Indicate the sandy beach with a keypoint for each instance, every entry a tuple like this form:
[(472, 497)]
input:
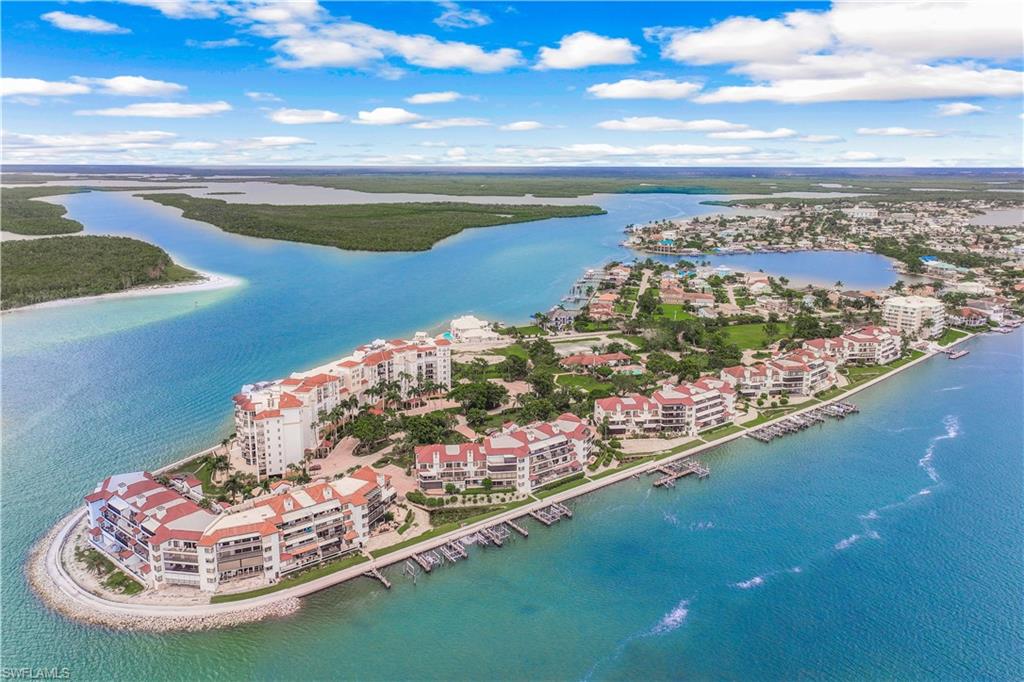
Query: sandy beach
[(210, 281)]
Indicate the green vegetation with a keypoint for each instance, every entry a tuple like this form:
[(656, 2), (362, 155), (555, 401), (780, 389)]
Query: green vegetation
[(361, 227), (115, 579), (21, 213), (622, 467), (560, 486), (674, 311), (456, 515), (525, 330), (38, 270), (583, 382), (680, 181), (753, 335), (720, 432), (448, 527), (299, 578), (951, 335)]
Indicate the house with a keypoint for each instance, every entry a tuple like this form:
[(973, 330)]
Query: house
[(469, 329)]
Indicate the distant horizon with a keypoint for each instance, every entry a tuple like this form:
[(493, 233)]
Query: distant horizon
[(466, 170)]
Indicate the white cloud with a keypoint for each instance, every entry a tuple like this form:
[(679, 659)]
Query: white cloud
[(305, 116), (183, 9), (274, 141), (39, 88), (456, 154), (351, 44), (197, 146), (583, 48), (914, 81), (597, 153), (257, 96), (827, 139), (91, 142), (659, 124), (860, 51), (434, 97), (632, 88), (866, 157), (216, 44), (519, 126), (898, 131), (83, 24), (958, 109), (386, 116), (454, 16), (161, 110), (778, 133), (439, 123), (742, 39), (132, 86)]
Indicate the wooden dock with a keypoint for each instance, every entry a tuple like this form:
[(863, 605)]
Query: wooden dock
[(517, 528), (423, 562), (676, 470), (552, 514), (377, 575)]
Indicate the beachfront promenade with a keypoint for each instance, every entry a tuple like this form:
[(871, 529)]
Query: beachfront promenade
[(77, 602)]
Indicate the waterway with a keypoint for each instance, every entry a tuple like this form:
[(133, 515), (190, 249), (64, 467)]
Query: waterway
[(641, 584)]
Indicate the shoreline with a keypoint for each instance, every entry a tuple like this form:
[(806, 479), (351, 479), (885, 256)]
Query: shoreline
[(208, 281), (55, 587)]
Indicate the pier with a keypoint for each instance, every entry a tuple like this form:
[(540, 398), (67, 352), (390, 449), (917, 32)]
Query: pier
[(377, 575), (799, 422), (552, 514), (517, 528), (676, 470)]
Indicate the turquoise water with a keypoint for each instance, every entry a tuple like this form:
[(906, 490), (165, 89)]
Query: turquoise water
[(642, 584)]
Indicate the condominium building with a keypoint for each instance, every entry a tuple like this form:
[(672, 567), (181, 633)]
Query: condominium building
[(685, 409), (163, 538), (871, 345), (522, 458), (803, 372), (915, 315), (277, 422)]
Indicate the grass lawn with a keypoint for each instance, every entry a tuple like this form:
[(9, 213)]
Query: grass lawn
[(291, 581), (201, 471), (752, 335), (622, 467), (861, 375), (674, 311), (951, 335), (525, 330), (582, 381), (596, 326), (680, 448), (638, 341), (560, 487), (720, 432), (514, 349), (584, 340), (447, 528)]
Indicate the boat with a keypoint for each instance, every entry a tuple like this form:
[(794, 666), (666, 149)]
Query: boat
[(956, 355)]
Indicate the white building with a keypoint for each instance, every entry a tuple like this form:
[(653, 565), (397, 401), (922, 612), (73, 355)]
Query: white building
[(522, 458), (162, 538), (277, 422), (861, 213), (915, 315), (469, 329), (685, 409)]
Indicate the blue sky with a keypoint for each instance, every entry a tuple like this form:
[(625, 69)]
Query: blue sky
[(497, 83)]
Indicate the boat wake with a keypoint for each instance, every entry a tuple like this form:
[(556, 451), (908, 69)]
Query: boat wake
[(951, 388), (759, 580)]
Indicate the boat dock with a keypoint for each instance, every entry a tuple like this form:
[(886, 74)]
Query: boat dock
[(799, 422), (552, 514), (377, 575), (676, 470), (517, 528), (956, 355)]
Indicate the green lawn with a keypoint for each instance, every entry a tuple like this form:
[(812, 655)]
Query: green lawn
[(674, 311), (596, 326), (622, 467), (861, 375), (297, 579), (585, 340), (582, 381), (555, 488), (720, 432), (525, 330), (447, 528), (638, 341), (514, 349), (951, 335), (752, 335)]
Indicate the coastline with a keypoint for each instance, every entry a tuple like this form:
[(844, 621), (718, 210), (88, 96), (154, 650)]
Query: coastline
[(59, 591), (209, 281)]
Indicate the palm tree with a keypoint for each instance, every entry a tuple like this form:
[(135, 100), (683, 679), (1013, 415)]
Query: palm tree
[(839, 284), (220, 464)]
